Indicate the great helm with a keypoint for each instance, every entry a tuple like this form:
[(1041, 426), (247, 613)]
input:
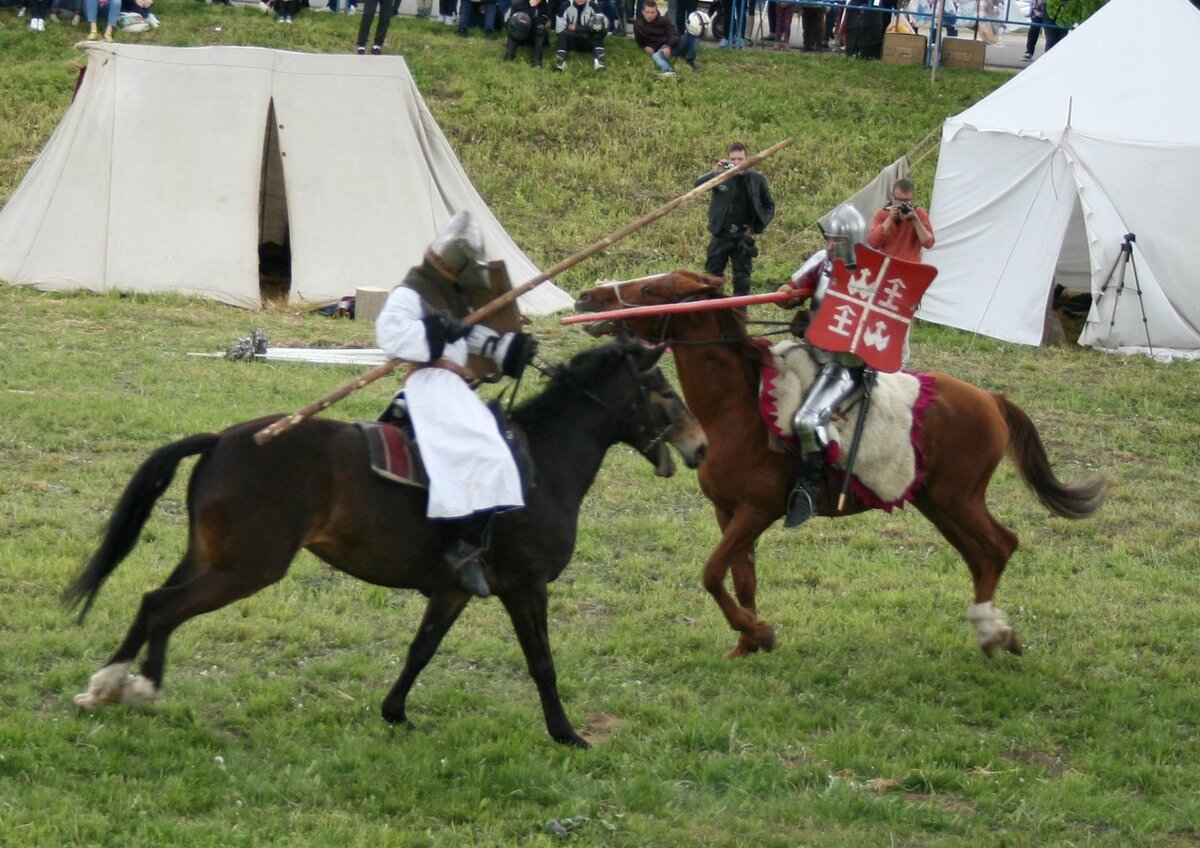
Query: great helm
[(698, 24), (457, 250), (520, 25), (845, 228)]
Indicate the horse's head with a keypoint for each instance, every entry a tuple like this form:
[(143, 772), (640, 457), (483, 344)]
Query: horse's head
[(676, 287), (625, 379)]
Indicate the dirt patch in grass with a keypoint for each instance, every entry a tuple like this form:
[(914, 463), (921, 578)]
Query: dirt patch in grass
[(1052, 763)]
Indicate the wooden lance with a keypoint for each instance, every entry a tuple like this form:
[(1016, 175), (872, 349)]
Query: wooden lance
[(283, 424)]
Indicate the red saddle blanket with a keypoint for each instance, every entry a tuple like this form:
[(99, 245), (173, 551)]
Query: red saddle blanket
[(394, 453)]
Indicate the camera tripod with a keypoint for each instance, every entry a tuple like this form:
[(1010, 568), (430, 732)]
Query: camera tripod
[(1124, 259)]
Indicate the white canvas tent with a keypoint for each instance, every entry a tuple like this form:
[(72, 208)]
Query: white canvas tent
[(173, 165), (1039, 182)]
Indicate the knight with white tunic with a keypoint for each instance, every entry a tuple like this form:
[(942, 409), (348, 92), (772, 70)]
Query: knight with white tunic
[(841, 373), (472, 472)]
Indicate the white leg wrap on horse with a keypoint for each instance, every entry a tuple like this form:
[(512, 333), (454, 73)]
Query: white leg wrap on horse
[(113, 684), (989, 622)]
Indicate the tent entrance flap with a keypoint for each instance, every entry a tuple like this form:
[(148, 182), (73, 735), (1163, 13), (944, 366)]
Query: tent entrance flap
[(274, 235)]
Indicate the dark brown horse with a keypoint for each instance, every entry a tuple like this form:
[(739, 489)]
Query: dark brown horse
[(251, 508), (965, 433)]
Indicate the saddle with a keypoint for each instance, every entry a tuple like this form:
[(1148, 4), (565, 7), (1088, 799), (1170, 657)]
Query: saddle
[(396, 456), (889, 467)]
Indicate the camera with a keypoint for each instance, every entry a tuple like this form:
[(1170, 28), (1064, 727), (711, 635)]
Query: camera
[(904, 208), (726, 165)]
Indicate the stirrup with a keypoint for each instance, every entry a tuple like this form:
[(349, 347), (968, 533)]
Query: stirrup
[(801, 506), (466, 561)]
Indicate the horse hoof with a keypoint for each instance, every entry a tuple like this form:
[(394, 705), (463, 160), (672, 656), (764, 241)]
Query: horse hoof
[(743, 648), (767, 640), (88, 701), (573, 740), (1006, 639)]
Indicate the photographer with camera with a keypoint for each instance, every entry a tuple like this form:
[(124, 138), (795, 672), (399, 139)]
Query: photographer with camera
[(739, 210), (901, 229)]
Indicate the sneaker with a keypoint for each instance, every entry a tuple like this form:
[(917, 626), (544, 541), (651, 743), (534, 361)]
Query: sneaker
[(75, 20), (1028, 57), (108, 37), (360, 50), (376, 50), (33, 24), (664, 73), (560, 65), (21, 12), (598, 64), (92, 36)]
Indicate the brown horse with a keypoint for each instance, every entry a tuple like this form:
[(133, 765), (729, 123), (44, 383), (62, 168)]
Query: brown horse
[(965, 433), (251, 508)]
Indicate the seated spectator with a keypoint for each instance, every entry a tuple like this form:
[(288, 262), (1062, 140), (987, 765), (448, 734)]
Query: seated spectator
[(528, 23), (480, 13), (91, 8), (141, 8), (581, 28), (655, 35)]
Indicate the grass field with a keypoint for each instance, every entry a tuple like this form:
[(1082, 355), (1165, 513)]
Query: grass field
[(875, 722)]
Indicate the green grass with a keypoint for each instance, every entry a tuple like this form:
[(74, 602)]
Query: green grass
[(876, 722)]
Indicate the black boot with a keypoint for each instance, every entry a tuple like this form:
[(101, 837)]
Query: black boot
[(510, 52), (805, 496), (465, 556)]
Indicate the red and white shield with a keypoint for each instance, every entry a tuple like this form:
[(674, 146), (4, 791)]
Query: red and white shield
[(868, 311)]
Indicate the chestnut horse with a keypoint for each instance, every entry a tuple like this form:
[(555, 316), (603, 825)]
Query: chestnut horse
[(251, 508), (965, 433)]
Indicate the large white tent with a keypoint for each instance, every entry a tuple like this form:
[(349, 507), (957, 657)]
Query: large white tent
[(1039, 182), (173, 165)]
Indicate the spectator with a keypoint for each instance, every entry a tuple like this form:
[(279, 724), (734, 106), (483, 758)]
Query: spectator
[(286, 10), (446, 12), (812, 20), (91, 8), (1039, 19), (364, 26), (141, 8), (528, 23), (37, 14), (785, 12), (901, 229), (657, 37), (740, 209), (581, 28), (472, 473), (480, 13)]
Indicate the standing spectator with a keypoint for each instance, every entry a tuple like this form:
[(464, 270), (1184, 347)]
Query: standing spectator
[(480, 13), (901, 229), (580, 29), (739, 210), (1039, 19), (785, 11), (364, 26), (91, 8), (446, 12), (812, 20), (532, 29), (657, 37)]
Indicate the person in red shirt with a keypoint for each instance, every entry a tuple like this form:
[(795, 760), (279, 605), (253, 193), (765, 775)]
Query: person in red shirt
[(901, 229)]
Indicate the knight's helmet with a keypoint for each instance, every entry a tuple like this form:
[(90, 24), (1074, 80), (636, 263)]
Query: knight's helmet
[(457, 251), (520, 24), (846, 227)]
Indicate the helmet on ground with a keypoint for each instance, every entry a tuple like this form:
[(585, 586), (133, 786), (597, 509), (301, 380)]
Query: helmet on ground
[(597, 24), (698, 24), (520, 25), (845, 228), (132, 22), (457, 250)]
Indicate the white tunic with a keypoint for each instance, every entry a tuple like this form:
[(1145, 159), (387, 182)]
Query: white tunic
[(470, 466)]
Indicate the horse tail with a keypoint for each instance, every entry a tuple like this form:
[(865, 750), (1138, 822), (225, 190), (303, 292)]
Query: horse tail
[(1077, 500), (130, 515)]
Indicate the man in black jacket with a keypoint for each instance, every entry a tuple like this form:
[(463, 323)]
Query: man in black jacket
[(657, 37), (740, 209)]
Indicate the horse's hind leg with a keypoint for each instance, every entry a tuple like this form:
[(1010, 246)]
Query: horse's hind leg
[(441, 611), (162, 610), (527, 610), (986, 545)]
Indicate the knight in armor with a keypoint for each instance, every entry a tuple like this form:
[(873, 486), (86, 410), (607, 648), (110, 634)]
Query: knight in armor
[(472, 473), (582, 28), (529, 23), (840, 374)]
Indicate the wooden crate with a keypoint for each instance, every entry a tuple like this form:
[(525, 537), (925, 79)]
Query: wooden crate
[(903, 49), (963, 53)]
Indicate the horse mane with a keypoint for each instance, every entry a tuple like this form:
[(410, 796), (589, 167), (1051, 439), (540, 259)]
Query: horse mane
[(584, 369)]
